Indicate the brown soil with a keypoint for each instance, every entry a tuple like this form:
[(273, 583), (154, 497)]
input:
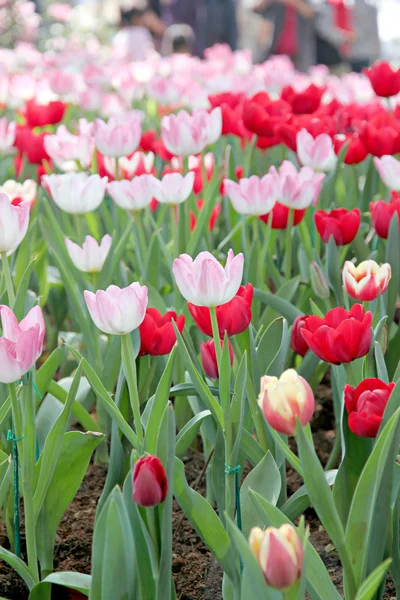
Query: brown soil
[(196, 573)]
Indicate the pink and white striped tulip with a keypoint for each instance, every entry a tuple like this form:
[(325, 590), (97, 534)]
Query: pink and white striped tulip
[(138, 164), (119, 137), (92, 256), (388, 168), (285, 399), (7, 136), (118, 311), (279, 553), (173, 188), (184, 134), (20, 192), (255, 195), (132, 195), (298, 189), (204, 282), (318, 153), (76, 193), (21, 343), (14, 221), (367, 281), (65, 149)]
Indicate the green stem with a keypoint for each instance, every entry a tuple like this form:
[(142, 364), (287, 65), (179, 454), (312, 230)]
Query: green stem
[(129, 367), (9, 281), (117, 168), (78, 219), (288, 245), (265, 248), (28, 477), (16, 414), (255, 229), (138, 220), (149, 377), (216, 338), (17, 435)]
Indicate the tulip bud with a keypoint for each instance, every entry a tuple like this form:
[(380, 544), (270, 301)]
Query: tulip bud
[(285, 399), (149, 481), (366, 281), (298, 343), (209, 358), (319, 282), (279, 553)]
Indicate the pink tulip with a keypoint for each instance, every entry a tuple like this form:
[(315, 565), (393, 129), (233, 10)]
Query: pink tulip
[(253, 196), (317, 153), (174, 188), (119, 137), (184, 134), (204, 282), (298, 189), (209, 358), (285, 399), (76, 193), (65, 149), (366, 281), (14, 221), (20, 192), (21, 343), (117, 311), (279, 553), (149, 481), (138, 164), (7, 136), (92, 256), (388, 168), (132, 195)]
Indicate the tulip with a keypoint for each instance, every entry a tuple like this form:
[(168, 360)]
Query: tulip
[(253, 196), (119, 137), (381, 135), (185, 134), (367, 281), (132, 195), (341, 336), (298, 343), (355, 152), (216, 211), (384, 79), (20, 192), (173, 188), (286, 399), (31, 145), (319, 282), (317, 153), (261, 116), (21, 343), (341, 224), (204, 282), (65, 149), (14, 221), (366, 404), (7, 135), (117, 311), (382, 214), (279, 553), (92, 256), (298, 189), (389, 170), (209, 358), (138, 164), (76, 193), (233, 317), (149, 481), (40, 115), (280, 216), (157, 334), (304, 102)]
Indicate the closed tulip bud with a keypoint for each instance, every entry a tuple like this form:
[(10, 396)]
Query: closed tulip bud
[(298, 343), (366, 404), (184, 134), (366, 281), (319, 282), (286, 399), (255, 195), (92, 256), (76, 193), (119, 137), (132, 195), (279, 553), (174, 188), (157, 333), (149, 481), (318, 152), (209, 358), (14, 221)]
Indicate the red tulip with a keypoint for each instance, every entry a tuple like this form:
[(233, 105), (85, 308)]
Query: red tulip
[(341, 336), (232, 317), (209, 358), (230, 99), (40, 115), (356, 152), (381, 135), (149, 481), (304, 102), (366, 404), (157, 334), (261, 114), (382, 213), (31, 145), (280, 216), (298, 343), (148, 140), (385, 81), (340, 223)]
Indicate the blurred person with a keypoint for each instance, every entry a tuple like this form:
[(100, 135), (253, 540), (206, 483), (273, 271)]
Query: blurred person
[(138, 24), (178, 39), (221, 23)]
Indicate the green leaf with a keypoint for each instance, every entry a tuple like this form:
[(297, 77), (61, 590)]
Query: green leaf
[(18, 565), (68, 579), (392, 257), (159, 406), (114, 256), (269, 348), (334, 269), (370, 586), (281, 306), (265, 479), (18, 307), (300, 501), (391, 407), (251, 448), (205, 521), (380, 363), (189, 432)]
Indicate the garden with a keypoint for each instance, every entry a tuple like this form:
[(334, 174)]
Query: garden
[(200, 350)]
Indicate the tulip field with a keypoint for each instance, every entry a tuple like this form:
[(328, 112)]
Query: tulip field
[(200, 265)]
